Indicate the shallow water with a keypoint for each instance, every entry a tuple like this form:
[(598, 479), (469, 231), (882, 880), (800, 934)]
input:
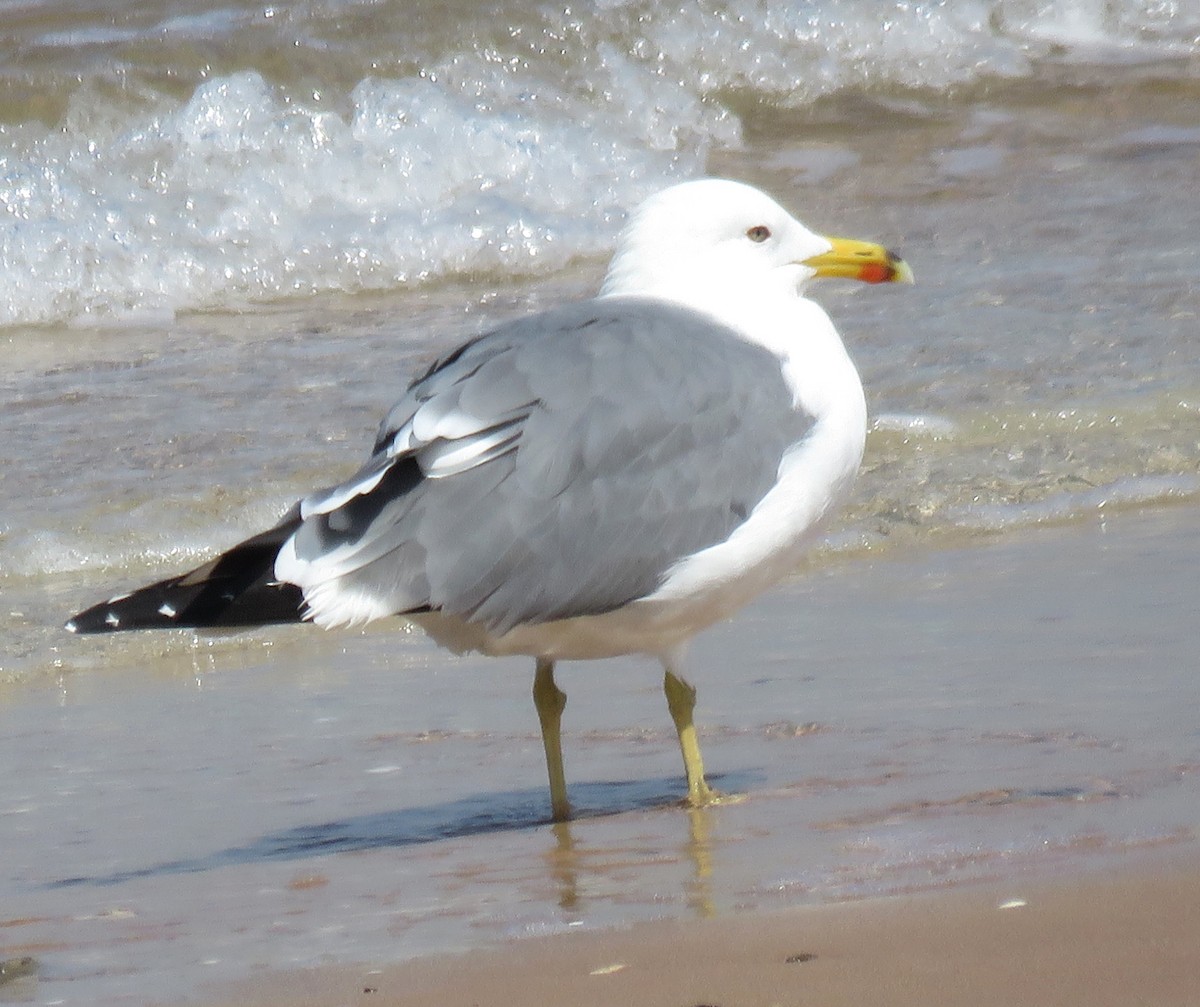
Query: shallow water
[(1046, 364), (229, 235), (198, 810)]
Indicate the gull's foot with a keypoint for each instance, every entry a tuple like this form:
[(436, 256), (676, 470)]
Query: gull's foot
[(706, 797)]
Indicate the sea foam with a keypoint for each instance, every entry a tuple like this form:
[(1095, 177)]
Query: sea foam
[(346, 146)]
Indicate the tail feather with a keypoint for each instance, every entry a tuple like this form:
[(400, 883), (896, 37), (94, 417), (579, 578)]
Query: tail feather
[(237, 588)]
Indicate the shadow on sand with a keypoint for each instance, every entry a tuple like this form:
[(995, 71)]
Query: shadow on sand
[(469, 816)]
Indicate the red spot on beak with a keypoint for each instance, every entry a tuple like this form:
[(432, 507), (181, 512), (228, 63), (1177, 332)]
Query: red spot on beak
[(876, 272)]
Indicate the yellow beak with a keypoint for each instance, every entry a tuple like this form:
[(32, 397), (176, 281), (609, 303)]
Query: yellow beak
[(861, 260)]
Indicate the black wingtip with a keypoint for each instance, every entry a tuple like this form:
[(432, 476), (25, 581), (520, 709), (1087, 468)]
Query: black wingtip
[(236, 589), (169, 605), (101, 618)]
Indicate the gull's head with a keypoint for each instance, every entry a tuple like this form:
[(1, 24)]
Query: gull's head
[(694, 240)]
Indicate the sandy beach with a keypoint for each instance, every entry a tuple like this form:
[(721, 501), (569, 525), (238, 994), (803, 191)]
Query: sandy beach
[(1111, 918), (918, 737), (1120, 939)]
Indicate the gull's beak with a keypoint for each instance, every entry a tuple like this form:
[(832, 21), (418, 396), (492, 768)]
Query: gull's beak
[(860, 260)]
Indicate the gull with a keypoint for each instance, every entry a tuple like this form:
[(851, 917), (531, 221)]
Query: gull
[(607, 477)]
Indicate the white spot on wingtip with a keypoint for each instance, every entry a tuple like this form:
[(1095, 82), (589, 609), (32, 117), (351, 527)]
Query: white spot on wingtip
[(167, 609), (70, 627), (112, 620)]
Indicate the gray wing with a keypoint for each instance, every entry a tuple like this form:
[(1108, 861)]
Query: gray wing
[(557, 466)]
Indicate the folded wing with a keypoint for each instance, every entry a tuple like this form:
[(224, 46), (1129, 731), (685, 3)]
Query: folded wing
[(555, 467)]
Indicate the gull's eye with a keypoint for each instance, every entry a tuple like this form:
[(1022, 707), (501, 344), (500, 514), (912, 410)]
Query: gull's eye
[(759, 233)]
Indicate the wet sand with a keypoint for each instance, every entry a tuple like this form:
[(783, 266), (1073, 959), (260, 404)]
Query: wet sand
[(1092, 940), (1054, 928), (989, 712)]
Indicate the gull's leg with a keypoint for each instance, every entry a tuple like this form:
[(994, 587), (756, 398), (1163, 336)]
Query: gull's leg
[(681, 701), (550, 701)]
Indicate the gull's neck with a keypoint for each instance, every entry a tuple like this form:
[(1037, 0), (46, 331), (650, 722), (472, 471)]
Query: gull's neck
[(759, 307), (765, 307)]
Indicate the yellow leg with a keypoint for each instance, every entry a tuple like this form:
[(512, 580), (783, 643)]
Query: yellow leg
[(681, 701), (550, 701)]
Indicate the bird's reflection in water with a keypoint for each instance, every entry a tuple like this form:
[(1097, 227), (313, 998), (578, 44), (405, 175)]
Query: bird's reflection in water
[(699, 849), (564, 867), (570, 861)]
